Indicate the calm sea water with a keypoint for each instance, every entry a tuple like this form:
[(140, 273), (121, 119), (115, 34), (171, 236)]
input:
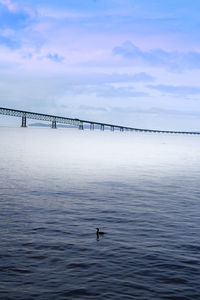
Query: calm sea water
[(57, 186)]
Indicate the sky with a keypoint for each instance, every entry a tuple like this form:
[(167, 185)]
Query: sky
[(128, 62)]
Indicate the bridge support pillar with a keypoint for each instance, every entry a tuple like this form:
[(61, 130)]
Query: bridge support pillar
[(81, 126), (112, 128), (91, 126), (121, 129), (53, 124), (23, 121), (102, 127)]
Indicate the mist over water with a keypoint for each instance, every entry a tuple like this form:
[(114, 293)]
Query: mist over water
[(57, 186)]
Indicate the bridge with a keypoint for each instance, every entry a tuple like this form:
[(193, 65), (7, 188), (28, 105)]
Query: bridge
[(24, 115)]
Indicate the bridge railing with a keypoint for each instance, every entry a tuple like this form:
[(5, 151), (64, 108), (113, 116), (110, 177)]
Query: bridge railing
[(39, 116)]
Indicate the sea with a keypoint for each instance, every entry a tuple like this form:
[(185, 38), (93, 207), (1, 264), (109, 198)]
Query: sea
[(58, 185)]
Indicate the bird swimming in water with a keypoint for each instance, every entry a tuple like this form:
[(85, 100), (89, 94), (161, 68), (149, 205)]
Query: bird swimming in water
[(99, 232)]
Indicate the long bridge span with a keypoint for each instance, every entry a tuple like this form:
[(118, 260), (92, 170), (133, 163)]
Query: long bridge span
[(24, 115)]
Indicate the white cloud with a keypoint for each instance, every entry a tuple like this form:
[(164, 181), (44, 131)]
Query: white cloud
[(55, 57), (11, 6), (180, 90), (174, 60)]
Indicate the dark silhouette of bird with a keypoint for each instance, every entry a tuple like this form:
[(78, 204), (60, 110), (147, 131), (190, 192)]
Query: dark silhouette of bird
[(99, 232)]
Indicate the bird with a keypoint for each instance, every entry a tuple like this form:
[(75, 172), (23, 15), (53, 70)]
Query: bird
[(99, 232)]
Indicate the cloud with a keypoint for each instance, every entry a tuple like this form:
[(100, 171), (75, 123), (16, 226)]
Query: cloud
[(116, 77), (176, 90), (105, 78), (92, 108), (158, 57), (106, 91), (11, 43), (118, 92), (11, 6), (55, 57), (154, 111), (61, 14), (13, 16)]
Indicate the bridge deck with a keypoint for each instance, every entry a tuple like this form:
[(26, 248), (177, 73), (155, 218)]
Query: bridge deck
[(78, 122)]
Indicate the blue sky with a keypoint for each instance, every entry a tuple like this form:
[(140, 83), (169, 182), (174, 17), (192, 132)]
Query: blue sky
[(131, 62)]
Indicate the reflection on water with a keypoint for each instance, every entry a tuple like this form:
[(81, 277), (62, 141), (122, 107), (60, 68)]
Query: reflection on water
[(57, 186)]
